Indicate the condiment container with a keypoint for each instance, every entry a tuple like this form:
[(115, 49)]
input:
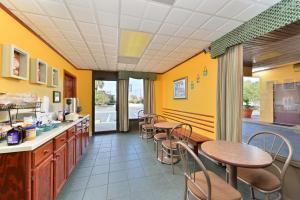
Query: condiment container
[(15, 136), (30, 132)]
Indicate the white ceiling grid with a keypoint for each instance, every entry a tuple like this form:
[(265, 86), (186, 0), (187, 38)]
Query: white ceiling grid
[(87, 31)]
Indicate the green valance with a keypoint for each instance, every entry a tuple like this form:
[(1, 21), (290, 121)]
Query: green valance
[(138, 75), (277, 16)]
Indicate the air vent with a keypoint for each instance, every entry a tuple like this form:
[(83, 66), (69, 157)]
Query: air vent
[(168, 2), (128, 60)]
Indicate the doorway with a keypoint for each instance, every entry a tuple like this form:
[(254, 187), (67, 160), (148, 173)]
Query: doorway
[(69, 85), (105, 106)]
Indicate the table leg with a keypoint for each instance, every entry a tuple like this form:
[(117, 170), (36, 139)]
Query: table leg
[(232, 175)]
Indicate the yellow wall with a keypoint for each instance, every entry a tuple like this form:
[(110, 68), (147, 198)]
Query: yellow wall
[(12, 32), (201, 99), (284, 74)]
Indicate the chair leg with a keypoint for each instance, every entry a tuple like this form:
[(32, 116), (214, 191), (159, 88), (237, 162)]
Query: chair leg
[(252, 195), (162, 154), (172, 161), (156, 149), (185, 188)]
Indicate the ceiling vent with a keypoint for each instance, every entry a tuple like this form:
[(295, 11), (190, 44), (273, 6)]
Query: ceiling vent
[(168, 2)]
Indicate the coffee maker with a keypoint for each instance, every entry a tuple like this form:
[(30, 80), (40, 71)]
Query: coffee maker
[(71, 109)]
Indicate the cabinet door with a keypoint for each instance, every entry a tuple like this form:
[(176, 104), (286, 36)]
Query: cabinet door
[(78, 147), (60, 169), (71, 155), (42, 187)]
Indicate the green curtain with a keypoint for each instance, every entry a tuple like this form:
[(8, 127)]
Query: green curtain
[(123, 75)]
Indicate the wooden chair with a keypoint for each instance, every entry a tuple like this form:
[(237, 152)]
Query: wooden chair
[(201, 183), (261, 179), (168, 146)]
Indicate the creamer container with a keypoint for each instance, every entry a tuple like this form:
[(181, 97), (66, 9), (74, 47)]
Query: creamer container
[(30, 132)]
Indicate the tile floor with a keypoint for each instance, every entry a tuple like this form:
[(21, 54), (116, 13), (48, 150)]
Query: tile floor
[(123, 167)]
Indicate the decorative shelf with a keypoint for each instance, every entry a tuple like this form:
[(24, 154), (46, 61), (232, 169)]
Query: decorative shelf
[(15, 62), (38, 71), (53, 77)]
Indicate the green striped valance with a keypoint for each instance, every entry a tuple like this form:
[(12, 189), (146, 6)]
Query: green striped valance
[(138, 75), (279, 15)]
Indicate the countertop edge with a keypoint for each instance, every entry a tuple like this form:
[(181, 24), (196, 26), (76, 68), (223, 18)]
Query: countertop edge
[(39, 141)]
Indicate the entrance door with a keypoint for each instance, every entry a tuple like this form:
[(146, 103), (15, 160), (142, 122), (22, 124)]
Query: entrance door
[(105, 106)]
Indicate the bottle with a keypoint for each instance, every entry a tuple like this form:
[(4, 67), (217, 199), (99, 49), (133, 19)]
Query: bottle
[(14, 136)]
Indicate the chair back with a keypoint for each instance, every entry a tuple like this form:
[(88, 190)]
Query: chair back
[(192, 164), (182, 132), (277, 146), (141, 115), (158, 118)]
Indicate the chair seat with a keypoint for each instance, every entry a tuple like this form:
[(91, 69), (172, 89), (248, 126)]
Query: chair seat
[(219, 188), (160, 136), (259, 178), (147, 126), (169, 144)]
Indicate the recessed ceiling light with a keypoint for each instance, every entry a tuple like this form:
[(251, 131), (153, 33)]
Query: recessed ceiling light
[(168, 2), (133, 43)]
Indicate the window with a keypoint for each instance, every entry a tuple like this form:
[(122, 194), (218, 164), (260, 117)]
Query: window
[(135, 97)]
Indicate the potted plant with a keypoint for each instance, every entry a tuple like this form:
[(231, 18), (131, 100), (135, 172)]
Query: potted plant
[(248, 109)]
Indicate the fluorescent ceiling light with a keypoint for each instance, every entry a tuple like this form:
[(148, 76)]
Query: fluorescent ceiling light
[(133, 43)]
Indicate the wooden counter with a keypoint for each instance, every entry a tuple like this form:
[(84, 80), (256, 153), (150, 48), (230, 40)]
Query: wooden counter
[(38, 169)]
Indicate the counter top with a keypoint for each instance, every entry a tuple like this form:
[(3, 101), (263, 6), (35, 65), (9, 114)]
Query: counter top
[(39, 140)]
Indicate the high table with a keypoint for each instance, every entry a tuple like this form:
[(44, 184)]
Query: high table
[(167, 126), (236, 155)]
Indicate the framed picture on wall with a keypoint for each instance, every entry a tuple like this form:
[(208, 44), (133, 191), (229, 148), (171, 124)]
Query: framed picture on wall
[(180, 88), (56, 96)]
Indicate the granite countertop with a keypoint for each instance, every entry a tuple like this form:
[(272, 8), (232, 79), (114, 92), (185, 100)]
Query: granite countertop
[(39, 140)]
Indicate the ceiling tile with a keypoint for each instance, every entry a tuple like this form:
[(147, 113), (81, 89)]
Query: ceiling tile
[(108, 19), (88, 28), (200, 34), (109, 31), (64, 24), (107, 5), (128, 22), (185, 31), (233, 8), (72, 35), (160, 38), (229, 26), (197, 19), (156, 11), (55, 8), (178, 16), (83, 14), (7, 4), (214, 23), (214, 36), (149, 26), (168, 29), (188, 4), (134, 8), (250, 12), (27, 6), (40, 21), (211, 6), (80, 3)]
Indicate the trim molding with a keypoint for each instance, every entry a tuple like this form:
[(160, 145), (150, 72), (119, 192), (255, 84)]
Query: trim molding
[(37, 35), (203, 115)]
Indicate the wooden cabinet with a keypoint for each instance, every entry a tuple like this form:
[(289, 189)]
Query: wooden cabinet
[(77, 146), (60, 169), (42, 186), (71, 155)]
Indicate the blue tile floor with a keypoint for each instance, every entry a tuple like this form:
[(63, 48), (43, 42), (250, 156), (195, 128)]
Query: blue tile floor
[(123, 167)]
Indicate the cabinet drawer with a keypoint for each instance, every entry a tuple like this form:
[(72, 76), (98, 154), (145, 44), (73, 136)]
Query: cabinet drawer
[(42, 153), (71, 132), (60, 140)]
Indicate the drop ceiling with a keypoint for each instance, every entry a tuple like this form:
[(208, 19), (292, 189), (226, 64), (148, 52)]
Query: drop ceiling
[(87, 32)]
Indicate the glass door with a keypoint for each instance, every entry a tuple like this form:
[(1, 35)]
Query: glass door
[(105, 115)]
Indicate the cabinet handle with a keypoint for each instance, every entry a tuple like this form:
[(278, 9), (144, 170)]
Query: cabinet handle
[(62, 139), (57, 156), (45, 152)]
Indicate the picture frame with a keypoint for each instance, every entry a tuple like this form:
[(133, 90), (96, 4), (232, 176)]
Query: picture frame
[(56, 96), (180, 88)]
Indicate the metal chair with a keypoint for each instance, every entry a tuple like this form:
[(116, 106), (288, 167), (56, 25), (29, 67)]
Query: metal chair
[(141, 120), (261, 179), (148, 128), (181, 132), (159, 134), (201, 183)]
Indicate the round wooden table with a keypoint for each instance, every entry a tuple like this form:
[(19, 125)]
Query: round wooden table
[(168, 126), (236, 155)]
